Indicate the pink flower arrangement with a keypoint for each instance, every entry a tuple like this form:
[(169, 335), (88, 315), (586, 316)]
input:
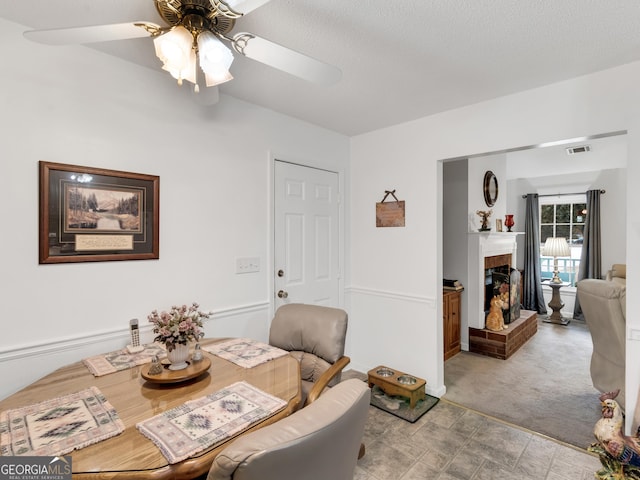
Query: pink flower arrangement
[(178, 326)]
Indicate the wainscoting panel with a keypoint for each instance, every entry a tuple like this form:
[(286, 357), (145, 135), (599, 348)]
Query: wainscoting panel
[(396, 330)]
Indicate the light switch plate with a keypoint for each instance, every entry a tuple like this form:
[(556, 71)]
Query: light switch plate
[(247, 264)]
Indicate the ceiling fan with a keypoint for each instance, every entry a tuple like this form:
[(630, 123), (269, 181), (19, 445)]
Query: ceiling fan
[(191, 46)]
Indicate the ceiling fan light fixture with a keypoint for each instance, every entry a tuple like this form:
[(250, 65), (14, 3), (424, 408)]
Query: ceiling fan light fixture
[(186, 72), (189, 46), (175, 50), (185, 69), (215, 58)]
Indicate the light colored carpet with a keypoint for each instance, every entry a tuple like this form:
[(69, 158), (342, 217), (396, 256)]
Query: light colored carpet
[(545, 386)]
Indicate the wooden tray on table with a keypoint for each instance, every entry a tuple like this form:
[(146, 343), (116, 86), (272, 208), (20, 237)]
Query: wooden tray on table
[(195, 369)]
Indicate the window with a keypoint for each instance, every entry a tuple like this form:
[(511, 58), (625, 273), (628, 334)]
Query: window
[(563, 220)]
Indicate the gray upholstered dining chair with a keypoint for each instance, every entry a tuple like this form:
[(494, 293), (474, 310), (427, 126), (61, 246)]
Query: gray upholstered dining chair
[(319, 442), (315, 335)]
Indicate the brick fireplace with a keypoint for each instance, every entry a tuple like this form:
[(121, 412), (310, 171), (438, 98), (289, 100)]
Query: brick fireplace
[(490, 253), (495, 247)]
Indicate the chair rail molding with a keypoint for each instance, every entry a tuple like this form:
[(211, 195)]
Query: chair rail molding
[(431, 301), (22, 364), (61, 345)]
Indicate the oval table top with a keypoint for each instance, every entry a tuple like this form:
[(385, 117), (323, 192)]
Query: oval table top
[(132, 456)]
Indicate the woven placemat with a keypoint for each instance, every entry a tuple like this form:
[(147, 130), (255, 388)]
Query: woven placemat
[(245, 352), (58, 426), (202, 423), (112, 362)]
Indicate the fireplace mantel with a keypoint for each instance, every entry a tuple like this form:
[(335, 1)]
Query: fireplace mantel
[(481, 245), (496, 234)]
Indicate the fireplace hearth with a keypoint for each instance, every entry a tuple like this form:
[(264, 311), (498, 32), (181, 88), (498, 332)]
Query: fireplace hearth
[(505, 343)]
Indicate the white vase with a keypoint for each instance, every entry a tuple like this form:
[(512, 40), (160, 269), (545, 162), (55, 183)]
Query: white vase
[(178, 357)]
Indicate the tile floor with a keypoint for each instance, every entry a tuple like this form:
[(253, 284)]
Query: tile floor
[(453, 443)]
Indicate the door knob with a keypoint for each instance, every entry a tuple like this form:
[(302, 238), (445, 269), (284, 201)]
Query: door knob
[(282, 294)]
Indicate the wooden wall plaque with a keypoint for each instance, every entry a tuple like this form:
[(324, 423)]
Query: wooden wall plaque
[(390, 214)]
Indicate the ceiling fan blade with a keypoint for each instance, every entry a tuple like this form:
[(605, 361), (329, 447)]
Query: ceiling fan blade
[(285, 59), (237, 7), (91, 34)]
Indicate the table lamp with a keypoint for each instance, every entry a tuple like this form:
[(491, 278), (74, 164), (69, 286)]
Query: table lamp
[(556, 247)]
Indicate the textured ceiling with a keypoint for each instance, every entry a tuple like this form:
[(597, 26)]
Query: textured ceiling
[(400, 60)]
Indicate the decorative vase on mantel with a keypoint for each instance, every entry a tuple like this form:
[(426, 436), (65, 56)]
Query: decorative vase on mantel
[(508, 222), (178, 356)]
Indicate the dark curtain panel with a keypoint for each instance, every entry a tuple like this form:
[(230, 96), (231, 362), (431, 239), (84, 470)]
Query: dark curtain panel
[(533, 297), (590, 260)]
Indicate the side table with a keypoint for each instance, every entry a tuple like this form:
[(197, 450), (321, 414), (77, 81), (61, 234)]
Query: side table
[(556, 304)]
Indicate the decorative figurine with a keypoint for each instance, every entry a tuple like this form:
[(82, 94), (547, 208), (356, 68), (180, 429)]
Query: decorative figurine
[(484, 214), (495, 319), (156, 366), (619, 453)]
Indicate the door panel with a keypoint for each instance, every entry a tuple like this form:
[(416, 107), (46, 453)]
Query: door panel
[(306, 235)]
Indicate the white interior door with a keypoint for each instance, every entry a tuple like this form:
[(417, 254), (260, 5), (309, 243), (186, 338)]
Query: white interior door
[(306, 257)]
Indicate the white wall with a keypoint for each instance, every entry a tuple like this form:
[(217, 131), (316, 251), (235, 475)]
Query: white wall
[(389, 265), (77, 106), (477, 168)]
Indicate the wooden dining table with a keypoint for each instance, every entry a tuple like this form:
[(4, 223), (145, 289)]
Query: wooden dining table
[(132, 456)]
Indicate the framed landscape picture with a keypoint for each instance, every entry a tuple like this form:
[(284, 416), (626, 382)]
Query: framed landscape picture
[(92, 214)]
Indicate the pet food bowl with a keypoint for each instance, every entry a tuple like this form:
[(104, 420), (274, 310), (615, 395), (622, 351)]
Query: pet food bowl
[(407, 379), (385, 372)]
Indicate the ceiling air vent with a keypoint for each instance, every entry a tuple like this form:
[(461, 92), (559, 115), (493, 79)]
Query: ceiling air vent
[(578, 149)]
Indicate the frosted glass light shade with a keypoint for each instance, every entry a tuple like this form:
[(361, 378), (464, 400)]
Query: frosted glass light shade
[(187, 73), (556, 247), (215, 59), (175, 50)]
